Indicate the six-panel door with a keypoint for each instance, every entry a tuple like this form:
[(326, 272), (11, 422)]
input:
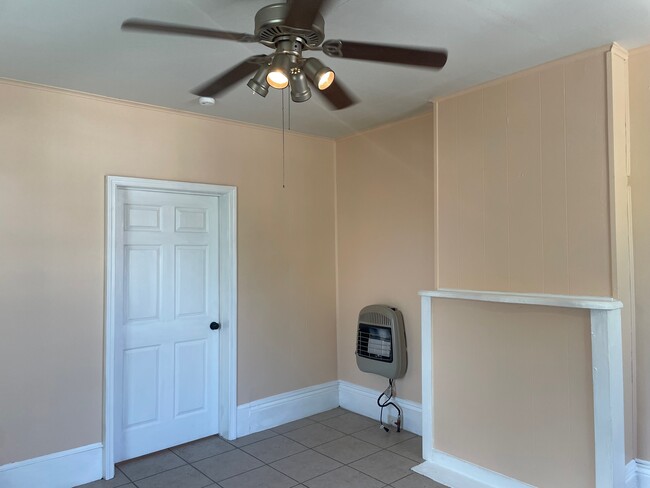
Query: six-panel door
[(167, 295)]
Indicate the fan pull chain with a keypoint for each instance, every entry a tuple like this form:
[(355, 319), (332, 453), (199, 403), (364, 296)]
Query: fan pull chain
[(283, 152)]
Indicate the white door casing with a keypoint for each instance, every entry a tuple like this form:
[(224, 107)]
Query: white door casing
[(169, 378)]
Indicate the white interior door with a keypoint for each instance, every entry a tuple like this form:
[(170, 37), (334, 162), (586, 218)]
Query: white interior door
[(166, 354)]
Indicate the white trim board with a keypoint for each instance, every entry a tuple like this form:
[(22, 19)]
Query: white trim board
[(637, 474), (543, 299), (457, 473), (362, 400), (227, 301), (272, 411), (58, 470), (286, 407)]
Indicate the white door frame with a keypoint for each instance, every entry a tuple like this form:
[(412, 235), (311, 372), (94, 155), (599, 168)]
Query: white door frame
[(227, 301)]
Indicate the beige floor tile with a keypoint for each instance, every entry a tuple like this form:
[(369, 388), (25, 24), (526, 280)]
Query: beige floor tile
[(273, 449), (411, 449), (416, 481), (385, 466), (203, 448), (264, 477), (183, 476), (149, 465), (379, 437), (328, 414), (350, 423), (231, 463), (344, 477), (314, 435), (347, 449), (252, 438), (305, 465)]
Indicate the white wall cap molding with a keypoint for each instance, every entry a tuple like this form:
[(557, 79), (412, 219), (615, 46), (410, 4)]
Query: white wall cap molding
[(543, 299)]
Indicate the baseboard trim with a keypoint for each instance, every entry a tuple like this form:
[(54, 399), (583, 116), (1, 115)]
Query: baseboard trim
[(642, 473), (58, 470), (279, 409), (363, 401), (455, 472)]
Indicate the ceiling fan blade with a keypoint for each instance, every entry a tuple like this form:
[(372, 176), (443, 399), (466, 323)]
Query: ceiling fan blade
[(384, 53), (142, 25), (302, 13), (338, 96), (225, 80)]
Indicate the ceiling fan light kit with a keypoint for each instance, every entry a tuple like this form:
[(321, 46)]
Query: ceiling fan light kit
[(258, 82), (290, 28), (278, 76), (319, 74)]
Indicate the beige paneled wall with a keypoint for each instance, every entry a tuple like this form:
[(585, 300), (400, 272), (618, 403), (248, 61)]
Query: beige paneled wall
[(513, 390), (640, 180), (55, 150), (523, 205), (385, 236), (523, 183)]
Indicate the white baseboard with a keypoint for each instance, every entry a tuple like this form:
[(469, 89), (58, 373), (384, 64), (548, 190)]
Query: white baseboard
[(630, 475), (58, 470), (456, 473), (279, 409), (637, 474), (642, 474), (363, 401)]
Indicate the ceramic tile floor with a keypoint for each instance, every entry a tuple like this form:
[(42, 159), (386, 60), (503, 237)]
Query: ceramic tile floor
[(334, 449)]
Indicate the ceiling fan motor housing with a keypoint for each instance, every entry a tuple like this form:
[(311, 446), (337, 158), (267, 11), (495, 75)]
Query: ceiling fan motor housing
[(269, 26)]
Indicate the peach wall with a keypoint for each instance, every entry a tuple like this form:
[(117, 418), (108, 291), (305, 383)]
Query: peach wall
[(523, 184), (524, 205), (513, 390), (384, 188), (639, 62), (55, 149)]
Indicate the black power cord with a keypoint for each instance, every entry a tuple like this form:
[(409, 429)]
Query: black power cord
[(389, 393)]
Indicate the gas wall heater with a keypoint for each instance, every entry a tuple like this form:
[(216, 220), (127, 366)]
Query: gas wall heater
[(381, 341)]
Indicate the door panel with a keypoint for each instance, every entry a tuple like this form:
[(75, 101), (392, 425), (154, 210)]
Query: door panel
[(190, 364), (142, 283), (141, 378), (166, 369), (191, 280)]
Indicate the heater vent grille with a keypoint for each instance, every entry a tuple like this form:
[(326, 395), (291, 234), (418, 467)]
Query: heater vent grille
[(375, 318), (375, 343)]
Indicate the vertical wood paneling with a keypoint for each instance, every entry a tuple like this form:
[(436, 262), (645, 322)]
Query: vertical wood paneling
[(448, 221), (524, 182), (495, 133), (587, 177), (554, 198), (470, 192), (539, 163)]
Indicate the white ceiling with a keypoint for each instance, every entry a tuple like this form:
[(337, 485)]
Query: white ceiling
[(77, 44)]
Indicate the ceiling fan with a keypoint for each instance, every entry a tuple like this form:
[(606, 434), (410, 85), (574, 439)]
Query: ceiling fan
[(290, 29)]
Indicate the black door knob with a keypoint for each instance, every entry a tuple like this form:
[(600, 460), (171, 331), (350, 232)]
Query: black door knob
[(215, 326)]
